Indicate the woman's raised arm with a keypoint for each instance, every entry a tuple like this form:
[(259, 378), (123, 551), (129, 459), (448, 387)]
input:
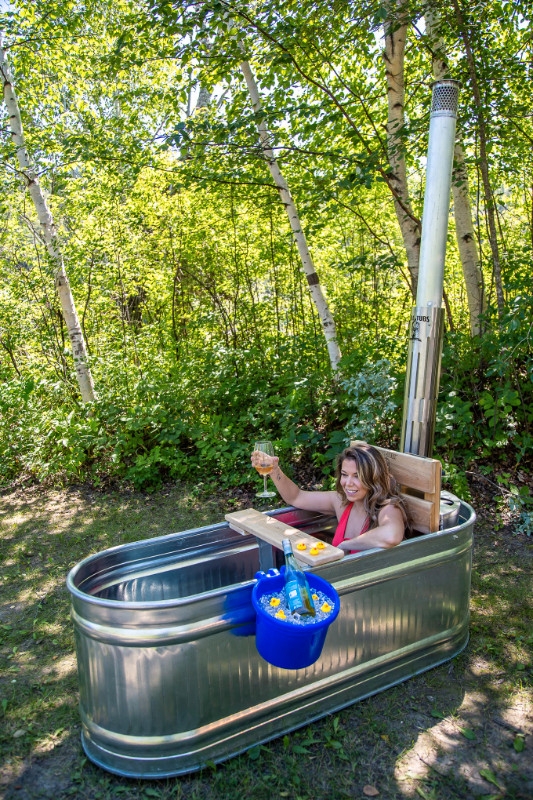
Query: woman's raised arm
[(323, 502)]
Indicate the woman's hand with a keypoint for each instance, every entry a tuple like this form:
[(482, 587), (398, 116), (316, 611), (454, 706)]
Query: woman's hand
[(348, 545), (260, 459)]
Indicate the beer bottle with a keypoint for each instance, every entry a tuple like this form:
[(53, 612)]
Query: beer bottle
[(296, 586)]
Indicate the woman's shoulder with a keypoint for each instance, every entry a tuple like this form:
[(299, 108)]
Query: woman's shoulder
[(390, 510), (339, 503)]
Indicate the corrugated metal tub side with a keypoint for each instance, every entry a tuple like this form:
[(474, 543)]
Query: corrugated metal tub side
[(169, 675)]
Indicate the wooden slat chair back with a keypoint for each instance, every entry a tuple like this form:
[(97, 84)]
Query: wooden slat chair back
[(420, 481)]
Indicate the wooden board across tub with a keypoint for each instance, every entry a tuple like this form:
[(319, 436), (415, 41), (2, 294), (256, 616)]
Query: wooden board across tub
[(273, 531)]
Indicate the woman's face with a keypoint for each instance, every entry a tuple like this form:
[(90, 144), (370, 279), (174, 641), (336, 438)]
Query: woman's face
[(352, 486)]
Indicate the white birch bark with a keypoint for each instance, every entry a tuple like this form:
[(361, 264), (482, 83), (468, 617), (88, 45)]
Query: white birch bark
[(79, 353), (395, 31), (466, 241), (483, 131), (464, 226), (204, 98), (326, 317)]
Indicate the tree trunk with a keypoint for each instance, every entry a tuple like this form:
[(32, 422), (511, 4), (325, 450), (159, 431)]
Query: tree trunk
[(483, 162), (464, 226), (83, 374), (395, 30), (466, 241), (315, 289)]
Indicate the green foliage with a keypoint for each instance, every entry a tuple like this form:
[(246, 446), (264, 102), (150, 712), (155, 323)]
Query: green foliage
[(200, 330), (485, 408), (372, 394), (197, 420)]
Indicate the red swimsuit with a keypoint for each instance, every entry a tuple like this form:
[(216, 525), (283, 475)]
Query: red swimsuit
[(341, 528)]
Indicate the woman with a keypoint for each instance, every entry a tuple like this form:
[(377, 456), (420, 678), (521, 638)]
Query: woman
[(366, 501)]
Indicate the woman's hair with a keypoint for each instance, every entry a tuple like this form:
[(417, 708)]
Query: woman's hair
[(373, 472)]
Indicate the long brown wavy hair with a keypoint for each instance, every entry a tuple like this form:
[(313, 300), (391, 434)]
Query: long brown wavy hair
[(373, 472)]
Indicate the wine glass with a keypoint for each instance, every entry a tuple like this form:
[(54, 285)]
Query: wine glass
[(264, 466)]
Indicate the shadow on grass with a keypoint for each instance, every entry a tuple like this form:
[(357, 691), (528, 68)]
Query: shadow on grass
[(455, 731)]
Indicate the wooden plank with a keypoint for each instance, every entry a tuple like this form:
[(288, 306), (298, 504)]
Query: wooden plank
[(421, 512), (273, 531)]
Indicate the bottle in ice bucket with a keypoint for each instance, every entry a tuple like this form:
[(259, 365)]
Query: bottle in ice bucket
[(296, 586)]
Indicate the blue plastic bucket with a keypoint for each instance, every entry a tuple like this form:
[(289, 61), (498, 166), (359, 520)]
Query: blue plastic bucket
[(284, 644)]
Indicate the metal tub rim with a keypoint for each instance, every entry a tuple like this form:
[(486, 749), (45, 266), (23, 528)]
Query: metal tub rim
[(86, 597)]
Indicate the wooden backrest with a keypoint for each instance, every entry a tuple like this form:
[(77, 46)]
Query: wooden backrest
[(419, 479)]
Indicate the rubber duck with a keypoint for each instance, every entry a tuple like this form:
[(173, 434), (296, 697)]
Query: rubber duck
[(275, 601), (325, 608), (314, 551), (301, 546)]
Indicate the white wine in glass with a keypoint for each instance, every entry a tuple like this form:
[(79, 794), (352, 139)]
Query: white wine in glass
[(264, 467)]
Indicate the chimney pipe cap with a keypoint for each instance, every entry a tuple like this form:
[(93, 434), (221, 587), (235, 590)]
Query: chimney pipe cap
[(445, 99)]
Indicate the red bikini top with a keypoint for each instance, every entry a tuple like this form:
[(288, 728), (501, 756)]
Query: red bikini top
[(341, 528)]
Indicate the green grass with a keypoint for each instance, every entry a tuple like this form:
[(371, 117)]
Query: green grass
[(455, 729)]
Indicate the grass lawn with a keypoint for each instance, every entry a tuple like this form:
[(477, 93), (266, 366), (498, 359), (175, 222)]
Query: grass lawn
[(458, 731)]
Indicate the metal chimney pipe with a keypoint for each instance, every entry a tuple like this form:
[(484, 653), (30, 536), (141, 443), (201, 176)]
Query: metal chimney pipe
[(427, 317)]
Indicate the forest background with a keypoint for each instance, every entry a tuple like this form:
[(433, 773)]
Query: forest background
[(159, 313)]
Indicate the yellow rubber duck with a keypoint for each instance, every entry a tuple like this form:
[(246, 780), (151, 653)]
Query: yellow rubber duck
[(320, 545), (314, 596), (301, 546), (275, 601), (325, 608), (280, 614), (314, 551)]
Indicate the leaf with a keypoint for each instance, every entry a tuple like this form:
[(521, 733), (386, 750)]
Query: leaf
[(370, 791), (437, 714), (254, 753), (467, 733), (489, 776), (519, 742)]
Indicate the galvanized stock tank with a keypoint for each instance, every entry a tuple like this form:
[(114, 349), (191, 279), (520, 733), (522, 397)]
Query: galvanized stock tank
[(170, 678)]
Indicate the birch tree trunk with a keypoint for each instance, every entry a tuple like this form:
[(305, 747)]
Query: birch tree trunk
[(395, 31), (324, 313), (483, 162), (79, 353), (464, 226)]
